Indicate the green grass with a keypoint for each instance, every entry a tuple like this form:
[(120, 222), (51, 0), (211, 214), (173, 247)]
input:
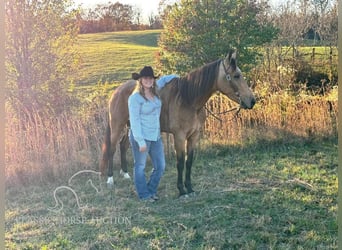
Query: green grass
[(113, 56), (262, 193), (269, 196)]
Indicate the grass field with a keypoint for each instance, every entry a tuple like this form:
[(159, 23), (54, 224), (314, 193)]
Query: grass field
[(260, 191), (114, 56), (276, 196)]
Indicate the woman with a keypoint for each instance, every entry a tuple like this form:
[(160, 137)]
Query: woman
[(144, 106)]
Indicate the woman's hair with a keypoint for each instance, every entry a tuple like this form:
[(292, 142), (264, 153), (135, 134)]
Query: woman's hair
[(139, 87)]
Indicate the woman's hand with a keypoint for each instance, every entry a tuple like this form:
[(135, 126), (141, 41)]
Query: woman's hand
[(142, 148)]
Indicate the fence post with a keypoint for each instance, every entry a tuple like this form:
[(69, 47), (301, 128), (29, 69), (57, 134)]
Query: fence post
[(293, 57), (268, 59), (330, 64), (293, 51), (313, 55)]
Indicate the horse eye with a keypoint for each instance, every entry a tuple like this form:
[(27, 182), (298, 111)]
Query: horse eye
[(236, 76)]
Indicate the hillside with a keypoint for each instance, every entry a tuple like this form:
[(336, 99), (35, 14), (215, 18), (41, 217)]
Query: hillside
[(113, 56), (264, 179)]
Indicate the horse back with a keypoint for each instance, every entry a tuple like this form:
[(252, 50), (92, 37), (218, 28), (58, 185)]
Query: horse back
[(118, 104)]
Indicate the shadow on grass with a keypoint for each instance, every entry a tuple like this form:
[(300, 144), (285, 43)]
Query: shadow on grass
[(149, 39), (264, 194)]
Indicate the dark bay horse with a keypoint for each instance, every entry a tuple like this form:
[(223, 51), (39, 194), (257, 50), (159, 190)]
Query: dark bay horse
[(182, 114)]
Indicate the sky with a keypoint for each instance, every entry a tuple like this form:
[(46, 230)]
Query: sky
[(147, 7)]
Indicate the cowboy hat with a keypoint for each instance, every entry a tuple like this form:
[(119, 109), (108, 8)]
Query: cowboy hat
[(146, 71)]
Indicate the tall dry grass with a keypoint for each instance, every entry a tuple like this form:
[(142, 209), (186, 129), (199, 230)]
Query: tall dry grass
[(278, 115), (44, 147)]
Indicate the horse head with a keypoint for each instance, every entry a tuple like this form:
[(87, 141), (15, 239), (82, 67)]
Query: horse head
[(232, 83)]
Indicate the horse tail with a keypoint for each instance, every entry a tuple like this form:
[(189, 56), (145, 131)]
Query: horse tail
[(105, 151)]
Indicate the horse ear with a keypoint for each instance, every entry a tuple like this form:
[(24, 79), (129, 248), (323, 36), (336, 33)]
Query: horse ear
[(231, 59), (135, 76)]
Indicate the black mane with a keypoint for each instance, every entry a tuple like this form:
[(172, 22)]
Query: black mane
[(197, 85)]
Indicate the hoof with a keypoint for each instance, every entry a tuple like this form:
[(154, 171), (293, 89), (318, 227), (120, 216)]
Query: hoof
[(192, 194), (110, 185), (125, 175), (110, 182), (183, 196)]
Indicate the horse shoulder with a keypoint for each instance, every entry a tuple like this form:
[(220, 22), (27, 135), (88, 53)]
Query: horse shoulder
[(118, 104)]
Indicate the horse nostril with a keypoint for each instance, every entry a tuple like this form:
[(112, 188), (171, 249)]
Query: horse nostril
[(253, 102), (250, 106)]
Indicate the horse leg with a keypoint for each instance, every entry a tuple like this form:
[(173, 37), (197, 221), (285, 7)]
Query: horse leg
[(124, 144), (110, 179), (191, 143), (106, 163), (180, 167), (180, 154), (114, 137), (188, 163)]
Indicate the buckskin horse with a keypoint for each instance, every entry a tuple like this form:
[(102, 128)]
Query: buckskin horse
[(183, 101)]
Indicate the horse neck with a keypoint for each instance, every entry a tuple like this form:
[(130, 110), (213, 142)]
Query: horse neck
[(202, 100), (196, 88)]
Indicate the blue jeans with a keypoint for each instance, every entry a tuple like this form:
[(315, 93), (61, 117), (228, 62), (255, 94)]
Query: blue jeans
[(155, 150)]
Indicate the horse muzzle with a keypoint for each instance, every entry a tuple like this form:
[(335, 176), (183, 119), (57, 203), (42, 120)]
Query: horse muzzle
[(248, 103)]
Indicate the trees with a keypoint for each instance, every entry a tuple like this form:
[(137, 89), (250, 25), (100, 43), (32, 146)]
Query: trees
[(39, 56), (294, 21), (114, 17), (196, 32), (110, 17), (299, 20), (326, 20)]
